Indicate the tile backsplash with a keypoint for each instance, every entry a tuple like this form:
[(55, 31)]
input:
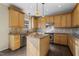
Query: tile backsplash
[(75, 30), (63, 30), (57, 30)]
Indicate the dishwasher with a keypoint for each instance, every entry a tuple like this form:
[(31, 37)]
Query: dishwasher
[(22, 40)]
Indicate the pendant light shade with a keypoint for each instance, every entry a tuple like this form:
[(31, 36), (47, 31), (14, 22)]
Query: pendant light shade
[(43, 9), (37, 11)]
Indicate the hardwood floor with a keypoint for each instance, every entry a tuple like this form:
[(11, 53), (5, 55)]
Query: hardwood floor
[(59, 50), (55, 50), (19, 52)]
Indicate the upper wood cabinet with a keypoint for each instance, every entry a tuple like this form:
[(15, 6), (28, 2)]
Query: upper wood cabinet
[(51, 19), (57, 21), (13, 21), (68, 20), (16, 18), (75, 17), (21, 20), (63, 20)]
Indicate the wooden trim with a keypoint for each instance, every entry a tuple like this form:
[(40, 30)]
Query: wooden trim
[(75, 7), (60, 14), (15, 8)]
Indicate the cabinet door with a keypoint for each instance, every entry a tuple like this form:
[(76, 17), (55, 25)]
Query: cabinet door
[(68, 20), (63, 20), (57, 21), (56, 39), (13, 22), (77, 16), (16, 41), (60, 39), (63, 39), (21, 20), (47, 19), (51, 19), (74, 18)]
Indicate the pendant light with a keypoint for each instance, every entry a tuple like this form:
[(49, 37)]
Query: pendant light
[(43, 9), (29, 15), (37, 11)]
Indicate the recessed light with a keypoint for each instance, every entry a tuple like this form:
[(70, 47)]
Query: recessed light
[(59, 6), (47, 10)]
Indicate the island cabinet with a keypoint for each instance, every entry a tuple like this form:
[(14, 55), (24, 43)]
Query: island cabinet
[(73, 44), (37, 45), (16, 18), (14, 41), (60, 38)]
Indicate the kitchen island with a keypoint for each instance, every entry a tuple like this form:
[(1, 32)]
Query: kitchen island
[(37, 44)]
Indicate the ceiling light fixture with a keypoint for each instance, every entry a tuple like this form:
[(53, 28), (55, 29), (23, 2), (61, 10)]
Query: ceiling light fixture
[(43, 9), (59, 6), (37, 11)]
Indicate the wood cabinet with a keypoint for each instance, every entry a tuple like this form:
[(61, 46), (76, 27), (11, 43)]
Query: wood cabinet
[(51, 19), (21, 20), (60, 39), (14, 41), (47, 19), (13, 21), (16, 18), (75, 17), (68, 20), (57, 21), (37, 45), (63, 21), (73, 44)]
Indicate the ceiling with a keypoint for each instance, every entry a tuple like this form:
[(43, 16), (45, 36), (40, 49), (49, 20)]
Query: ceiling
[(49, 8)]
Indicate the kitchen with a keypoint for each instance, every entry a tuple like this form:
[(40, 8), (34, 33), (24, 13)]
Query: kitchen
[(41, 29)]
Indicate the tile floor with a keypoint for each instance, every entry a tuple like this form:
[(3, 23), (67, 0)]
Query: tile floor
[(55, 50)]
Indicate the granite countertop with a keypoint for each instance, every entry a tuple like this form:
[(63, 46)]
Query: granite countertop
[(75, 35), (36, 35)]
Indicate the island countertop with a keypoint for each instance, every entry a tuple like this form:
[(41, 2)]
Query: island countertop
[(36, 35)]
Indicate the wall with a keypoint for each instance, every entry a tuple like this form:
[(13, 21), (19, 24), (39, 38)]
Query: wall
[(4, 27)]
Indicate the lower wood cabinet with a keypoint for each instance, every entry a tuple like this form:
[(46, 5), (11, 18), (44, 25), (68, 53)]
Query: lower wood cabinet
[(60, 39), (73, 44), (14, 41)]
